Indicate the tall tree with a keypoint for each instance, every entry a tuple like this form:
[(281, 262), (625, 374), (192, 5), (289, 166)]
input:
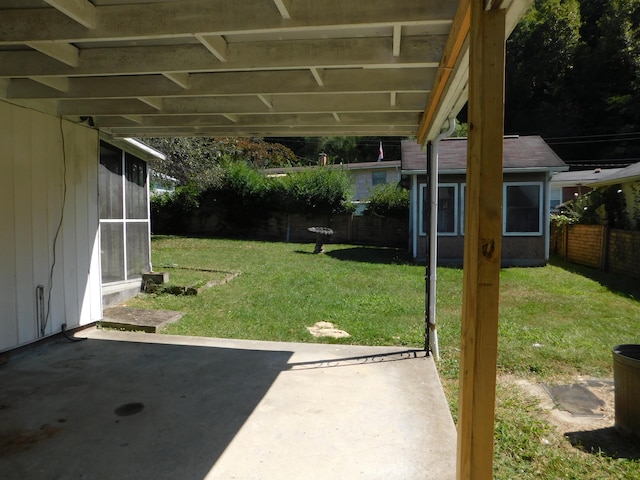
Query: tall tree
[(195, 160), (540, 57), (573, 70)]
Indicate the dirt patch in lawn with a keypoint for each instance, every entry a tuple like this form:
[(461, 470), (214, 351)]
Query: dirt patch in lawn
[(584, 413)]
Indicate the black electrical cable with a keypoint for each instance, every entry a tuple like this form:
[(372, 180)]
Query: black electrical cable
[(66, 335), (55, 238)]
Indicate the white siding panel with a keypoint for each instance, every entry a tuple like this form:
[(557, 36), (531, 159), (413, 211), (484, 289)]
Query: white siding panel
[(55, 289), (70, 227), (86, 211), (8, 323), (25, 293), (34, 160), (41, 155)]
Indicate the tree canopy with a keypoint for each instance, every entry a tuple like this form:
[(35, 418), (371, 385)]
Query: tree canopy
[(573, 76)]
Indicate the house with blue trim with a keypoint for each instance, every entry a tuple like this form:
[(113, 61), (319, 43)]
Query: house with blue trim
[(529, 164)]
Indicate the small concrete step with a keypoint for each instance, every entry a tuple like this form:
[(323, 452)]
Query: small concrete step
[(138, 319)]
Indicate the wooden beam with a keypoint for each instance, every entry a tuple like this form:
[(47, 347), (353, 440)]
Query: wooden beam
[(267, 101), (216, 44), (264, 120), (134, 118), (283, 8), (63, 52), (318, 75), (482, 245), (152, 102), (233, 83), (418, 51), (394, 98), (452, 51), (245, 104), (220, 17), (336, 116), (240, 131), (82, 11), (181, 79), (57, 83), (397, 39)]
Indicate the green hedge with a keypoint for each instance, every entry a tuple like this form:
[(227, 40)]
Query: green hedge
[(388, 201), (243, 195)]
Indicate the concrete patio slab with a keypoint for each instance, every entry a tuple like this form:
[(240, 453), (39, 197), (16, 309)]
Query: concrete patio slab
[(131, 405)]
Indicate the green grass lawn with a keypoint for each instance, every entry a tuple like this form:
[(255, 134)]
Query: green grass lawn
[(556, 322)]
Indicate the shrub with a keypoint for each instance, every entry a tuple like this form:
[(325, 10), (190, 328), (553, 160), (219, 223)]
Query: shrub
[(601, 206), (243, 193), (321, 190), (388, 201), (243, 197), (171, 210)]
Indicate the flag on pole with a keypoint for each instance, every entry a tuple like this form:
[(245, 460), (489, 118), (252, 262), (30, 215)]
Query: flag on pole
[(380, 153)]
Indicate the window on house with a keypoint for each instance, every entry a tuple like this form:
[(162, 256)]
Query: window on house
[(378, 178), (124, 215), (555, 197), (463, 193), (447, 209), (523, 209)]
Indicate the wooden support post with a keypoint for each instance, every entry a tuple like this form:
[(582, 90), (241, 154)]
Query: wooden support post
[(482, 247)]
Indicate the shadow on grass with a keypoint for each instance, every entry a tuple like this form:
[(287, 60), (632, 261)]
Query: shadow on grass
[(382, 255), (607, 442), (619, 284)]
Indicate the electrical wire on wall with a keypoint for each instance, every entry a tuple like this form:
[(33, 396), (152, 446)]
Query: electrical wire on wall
[(57, 235)]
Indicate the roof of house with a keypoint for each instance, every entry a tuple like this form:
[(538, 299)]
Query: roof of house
[(520, 153), (385, 164), (581, 177), (618, 175)]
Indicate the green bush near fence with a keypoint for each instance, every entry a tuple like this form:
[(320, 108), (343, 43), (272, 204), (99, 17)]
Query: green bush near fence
[(388, 201), (243, 195)]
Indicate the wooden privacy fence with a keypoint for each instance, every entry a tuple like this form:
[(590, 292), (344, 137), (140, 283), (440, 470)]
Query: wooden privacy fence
[(598, 246), (282, 227)]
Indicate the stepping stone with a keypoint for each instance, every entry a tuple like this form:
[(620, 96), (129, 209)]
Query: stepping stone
[(576, 399), (127, 318)]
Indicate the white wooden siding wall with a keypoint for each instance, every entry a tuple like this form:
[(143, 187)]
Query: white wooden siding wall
[(363, 181), (31, 198)]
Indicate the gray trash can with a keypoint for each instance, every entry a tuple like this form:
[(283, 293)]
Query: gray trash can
[(626, 378)]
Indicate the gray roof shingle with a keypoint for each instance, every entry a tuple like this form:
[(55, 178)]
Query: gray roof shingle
[(632, 172), (530, 152)]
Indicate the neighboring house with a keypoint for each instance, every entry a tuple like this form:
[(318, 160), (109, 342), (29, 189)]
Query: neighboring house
[(629, 180), (161, 183), (529, 164), (366, 176), (566, 185)]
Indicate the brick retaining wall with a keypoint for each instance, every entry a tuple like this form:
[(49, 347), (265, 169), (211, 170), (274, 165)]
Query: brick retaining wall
[(624, 252), (597, 246), (585, 245)]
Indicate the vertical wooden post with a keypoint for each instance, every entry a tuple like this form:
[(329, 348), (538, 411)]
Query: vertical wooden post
[(483, 242)]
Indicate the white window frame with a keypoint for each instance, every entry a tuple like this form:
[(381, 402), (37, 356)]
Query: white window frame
[(456, 210), (541, 207), (125, 220)]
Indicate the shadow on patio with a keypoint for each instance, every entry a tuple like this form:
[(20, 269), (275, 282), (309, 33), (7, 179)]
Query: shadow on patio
[(131, 405)]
